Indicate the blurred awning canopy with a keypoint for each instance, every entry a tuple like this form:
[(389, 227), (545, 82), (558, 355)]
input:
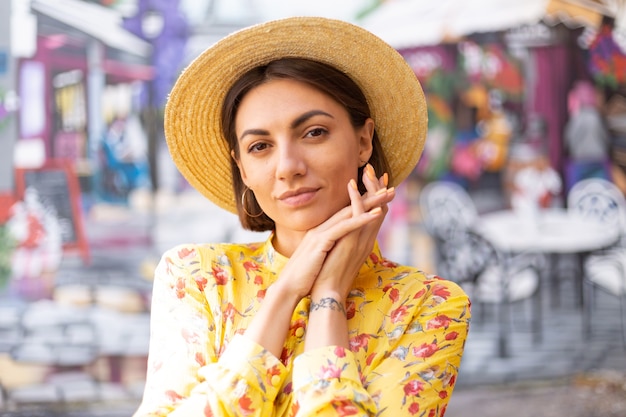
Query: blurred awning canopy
[(574, 13), (99, 22), (409, 23)]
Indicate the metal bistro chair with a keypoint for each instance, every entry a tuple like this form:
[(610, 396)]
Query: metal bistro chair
[(600, 200), (464, 256), (446, 208)]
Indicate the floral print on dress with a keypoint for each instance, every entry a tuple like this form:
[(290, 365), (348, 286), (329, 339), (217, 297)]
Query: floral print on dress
[(407, 332)]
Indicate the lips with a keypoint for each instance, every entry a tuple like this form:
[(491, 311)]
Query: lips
[(298, 197)]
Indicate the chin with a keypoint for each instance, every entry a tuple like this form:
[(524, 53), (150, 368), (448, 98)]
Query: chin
[(304, 223)]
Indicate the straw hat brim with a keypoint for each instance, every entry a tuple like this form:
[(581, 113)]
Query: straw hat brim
[(193, 112)]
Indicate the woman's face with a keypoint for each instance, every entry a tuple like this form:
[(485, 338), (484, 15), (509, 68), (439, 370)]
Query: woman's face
[(298, 151)]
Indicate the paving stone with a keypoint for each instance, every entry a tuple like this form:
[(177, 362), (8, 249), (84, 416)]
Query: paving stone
[(40, 393)]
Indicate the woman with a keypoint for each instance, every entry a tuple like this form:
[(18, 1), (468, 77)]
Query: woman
[(299, 126)]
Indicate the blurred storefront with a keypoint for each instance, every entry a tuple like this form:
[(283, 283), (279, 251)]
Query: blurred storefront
[(90, 93), (82, 51), (88, 106), (495, 71)]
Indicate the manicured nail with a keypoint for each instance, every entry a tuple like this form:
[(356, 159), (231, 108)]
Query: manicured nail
[(381, 191), (391, 190), (370, 172), (385, 179), (375, 210), (353, 184)]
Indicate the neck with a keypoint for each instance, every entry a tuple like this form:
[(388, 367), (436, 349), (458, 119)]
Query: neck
[(286, 241)]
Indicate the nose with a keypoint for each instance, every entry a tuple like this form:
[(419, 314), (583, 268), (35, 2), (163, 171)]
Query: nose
[(290, 162)]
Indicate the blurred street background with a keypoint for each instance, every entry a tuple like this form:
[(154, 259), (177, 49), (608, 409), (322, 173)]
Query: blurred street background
[(526, 100)]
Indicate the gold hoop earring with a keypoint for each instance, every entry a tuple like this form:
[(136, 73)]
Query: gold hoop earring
[(243, 205)]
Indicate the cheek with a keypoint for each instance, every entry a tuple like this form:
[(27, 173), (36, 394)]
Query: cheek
[(259, 180), (339, 173), (343, 165), (250, 171)]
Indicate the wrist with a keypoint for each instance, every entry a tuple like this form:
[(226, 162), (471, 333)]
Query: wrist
[(328, 304), (278, 291), (328, 323), (318, 293)]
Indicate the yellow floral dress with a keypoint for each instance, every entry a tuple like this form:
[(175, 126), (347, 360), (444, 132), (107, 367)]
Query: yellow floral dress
[(407, 333)]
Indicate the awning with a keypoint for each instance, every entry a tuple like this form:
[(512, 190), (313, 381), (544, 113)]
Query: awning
[(409, 23), (591, 12), (99, 22), (572, 13)]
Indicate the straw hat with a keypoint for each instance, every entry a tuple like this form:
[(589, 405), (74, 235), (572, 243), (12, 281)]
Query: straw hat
[(193, 112)]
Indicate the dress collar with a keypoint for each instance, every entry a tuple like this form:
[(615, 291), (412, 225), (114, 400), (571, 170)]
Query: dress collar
[(276, 261)]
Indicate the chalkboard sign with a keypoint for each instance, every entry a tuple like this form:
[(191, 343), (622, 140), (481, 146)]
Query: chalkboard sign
[(57, 186)]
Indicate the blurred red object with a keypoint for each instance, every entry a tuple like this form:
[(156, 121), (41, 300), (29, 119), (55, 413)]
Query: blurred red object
[(6, 202)]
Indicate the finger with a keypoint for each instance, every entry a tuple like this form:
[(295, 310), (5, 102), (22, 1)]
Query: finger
[(368, 202), (370, 181), (356, 201), (383, 181), (383, 196), (351, 224), (379, 199)]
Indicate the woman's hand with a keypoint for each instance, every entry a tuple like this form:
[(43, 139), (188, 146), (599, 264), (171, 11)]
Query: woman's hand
[(328, 324), (325, 263), (345, 258), (305, 264)]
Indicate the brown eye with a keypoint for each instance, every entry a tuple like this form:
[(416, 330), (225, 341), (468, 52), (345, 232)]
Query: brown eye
[(257, 147), (316, 132)]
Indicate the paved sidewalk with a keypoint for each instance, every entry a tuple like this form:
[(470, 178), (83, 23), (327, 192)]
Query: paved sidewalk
[(596, 394)]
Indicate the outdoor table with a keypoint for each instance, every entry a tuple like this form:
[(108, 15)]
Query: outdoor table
[(551, 232)]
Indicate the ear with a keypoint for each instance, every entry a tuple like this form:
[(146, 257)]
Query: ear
[(366, 136), (242, 172)]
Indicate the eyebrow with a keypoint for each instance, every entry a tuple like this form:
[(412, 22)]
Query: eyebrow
[(297, 122), (306, 116)]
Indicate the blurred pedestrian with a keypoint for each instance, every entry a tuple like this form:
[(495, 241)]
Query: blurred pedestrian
[(302, 126), (586, 136)]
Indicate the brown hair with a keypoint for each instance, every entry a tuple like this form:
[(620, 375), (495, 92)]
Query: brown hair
[(324, 78)]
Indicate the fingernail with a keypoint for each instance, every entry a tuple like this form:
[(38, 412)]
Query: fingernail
[(370, 172), (385, 179), (375, 210), (381, 191), (353, 184), (391, 190)]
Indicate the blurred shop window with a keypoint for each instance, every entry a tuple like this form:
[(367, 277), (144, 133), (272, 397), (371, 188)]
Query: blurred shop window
[(70, 119), (32, 92), (69, 94)]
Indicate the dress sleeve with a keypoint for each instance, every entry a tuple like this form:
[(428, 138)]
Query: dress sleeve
[(327, 383), (187, 374), (417, 372)]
